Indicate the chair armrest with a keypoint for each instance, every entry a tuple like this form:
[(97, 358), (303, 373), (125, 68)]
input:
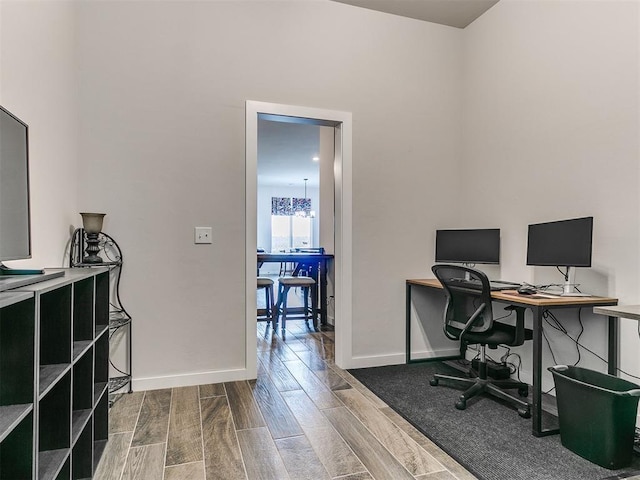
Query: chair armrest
[(519, 326)]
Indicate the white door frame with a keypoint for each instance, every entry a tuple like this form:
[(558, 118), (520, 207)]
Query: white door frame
[(343, 222)]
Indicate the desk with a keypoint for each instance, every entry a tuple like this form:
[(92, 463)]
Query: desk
[(537, 306), (317, 264), (631, 312), (621, 311)]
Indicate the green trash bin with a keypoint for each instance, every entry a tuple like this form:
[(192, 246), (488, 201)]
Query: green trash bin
[(597, 414)]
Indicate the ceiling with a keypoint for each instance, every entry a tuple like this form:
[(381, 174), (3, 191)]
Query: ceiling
[(285, 154), (455, 13)]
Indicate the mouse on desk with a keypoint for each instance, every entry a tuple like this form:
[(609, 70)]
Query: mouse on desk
[(527, 290)]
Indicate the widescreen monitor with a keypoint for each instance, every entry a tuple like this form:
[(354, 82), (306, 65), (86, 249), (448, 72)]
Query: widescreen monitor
[(468, 246), (563, 243), (15, 233)]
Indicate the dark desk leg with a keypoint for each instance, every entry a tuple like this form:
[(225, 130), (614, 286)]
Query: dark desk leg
[(322, 266), (312, 268), (614, 335), (537, 372), (408, 322), (314, 306), (536, 414)]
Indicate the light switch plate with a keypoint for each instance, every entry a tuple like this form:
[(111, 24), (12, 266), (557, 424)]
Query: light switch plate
[(203, 235)]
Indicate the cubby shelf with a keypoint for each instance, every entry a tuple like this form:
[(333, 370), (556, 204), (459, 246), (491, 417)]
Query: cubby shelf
[(54, 363), (11, 416), (51, 462), (49, 375), (79, 348)]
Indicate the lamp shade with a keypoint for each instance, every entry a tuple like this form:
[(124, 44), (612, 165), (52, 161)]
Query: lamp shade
[(92, 222)]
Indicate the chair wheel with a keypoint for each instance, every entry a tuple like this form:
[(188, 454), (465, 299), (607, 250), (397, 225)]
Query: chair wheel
[(524, 412), (523, 392), (461, 404), (434, 382)]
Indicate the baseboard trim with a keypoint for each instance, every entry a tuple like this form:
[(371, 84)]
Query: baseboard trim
[(399, 358), (377, 360), (201, 378), (204, 378), (429, 354)]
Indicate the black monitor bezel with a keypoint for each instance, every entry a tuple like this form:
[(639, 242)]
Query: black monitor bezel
[(555, 263), (494, 260), (24, 254)]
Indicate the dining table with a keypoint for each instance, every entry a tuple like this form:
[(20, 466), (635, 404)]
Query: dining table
[(315, 265)]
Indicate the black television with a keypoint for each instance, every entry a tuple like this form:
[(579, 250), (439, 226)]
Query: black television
[(15, 217), (561, 243), (468, 246)]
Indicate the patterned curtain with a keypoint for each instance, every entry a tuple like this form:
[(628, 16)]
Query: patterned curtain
[(281, 206), (290, 206), (301, 206)]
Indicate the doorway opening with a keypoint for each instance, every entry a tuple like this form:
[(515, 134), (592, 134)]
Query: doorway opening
[(340, 175), (295, 186)]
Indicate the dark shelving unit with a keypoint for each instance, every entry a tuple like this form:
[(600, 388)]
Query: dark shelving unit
[(52, 385)]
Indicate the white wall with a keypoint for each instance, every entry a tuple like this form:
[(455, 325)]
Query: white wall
[(551, 124), (37, 84), (163, 87), (155, 99)]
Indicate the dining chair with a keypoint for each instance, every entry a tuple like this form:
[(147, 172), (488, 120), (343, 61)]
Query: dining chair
[(282, 308), (266, 283)]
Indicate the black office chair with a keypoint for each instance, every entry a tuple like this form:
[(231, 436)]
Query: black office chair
[(468, 318)]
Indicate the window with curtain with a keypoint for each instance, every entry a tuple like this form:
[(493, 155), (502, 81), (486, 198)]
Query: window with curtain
[(290, 223)]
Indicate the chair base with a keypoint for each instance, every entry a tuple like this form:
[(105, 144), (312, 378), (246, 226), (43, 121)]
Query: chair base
[(477, 386)]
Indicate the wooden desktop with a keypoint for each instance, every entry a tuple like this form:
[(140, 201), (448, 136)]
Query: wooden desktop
[(538, 305)]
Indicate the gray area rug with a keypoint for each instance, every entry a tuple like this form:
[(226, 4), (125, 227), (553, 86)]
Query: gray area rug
[(489, 438)]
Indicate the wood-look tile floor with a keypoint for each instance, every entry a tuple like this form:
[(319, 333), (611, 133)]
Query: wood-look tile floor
[(303, 418)]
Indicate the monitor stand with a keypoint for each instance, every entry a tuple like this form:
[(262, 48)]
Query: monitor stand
[(467, 275), (569, 287)]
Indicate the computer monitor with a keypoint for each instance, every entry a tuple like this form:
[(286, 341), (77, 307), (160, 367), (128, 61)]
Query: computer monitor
[(563, 243), (468, 246)]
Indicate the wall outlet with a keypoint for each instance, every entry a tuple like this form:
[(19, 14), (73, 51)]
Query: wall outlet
[(203, 235)]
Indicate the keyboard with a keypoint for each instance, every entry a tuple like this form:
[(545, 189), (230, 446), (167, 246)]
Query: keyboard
[(504, 285), (494, 285)]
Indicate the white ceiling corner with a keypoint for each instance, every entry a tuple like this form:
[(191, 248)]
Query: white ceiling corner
[(454, 13)]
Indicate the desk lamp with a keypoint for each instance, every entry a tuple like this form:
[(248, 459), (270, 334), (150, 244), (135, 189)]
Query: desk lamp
[(92, 224)]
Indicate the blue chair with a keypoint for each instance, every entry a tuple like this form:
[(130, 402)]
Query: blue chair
[(284, 285), (267, 284)]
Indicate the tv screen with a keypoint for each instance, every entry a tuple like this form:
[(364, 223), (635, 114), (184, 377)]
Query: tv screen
[(564, 243), (15, 234), (468, 246)]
